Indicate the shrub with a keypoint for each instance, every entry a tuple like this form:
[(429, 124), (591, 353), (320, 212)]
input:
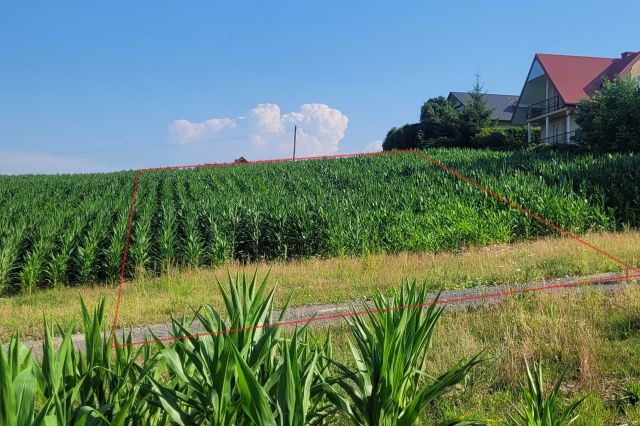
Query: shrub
[(504, 138), (441, 142), (610, 119)]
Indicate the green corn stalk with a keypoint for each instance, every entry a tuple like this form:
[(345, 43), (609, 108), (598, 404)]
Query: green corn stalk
[(114, 251), (8, 257), (141, 240)]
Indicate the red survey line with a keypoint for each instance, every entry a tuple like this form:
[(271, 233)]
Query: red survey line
[(282, 160), (124, 259), (393, 308), (527, 212)]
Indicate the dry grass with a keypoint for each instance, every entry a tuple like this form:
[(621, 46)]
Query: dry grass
[(593, 337), (149, 300)]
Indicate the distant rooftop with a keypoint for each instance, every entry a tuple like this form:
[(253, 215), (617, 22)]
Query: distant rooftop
[(503, 106)]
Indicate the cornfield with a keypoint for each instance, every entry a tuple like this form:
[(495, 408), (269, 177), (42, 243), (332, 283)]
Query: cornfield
[(71, 229)]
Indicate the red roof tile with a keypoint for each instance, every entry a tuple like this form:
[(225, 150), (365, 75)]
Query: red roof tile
[(577, 77), (574, 76)]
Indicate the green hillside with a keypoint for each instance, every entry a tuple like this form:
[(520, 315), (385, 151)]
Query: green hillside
[(71, 229)]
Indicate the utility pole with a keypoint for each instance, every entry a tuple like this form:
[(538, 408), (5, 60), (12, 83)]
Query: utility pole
[(295, 132)]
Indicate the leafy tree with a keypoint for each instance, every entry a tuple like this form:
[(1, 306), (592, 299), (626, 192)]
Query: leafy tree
[(610, 120), (405, 137), (476, 114), (438, 118)]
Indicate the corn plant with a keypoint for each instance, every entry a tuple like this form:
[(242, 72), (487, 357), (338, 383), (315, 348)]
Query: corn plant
[(32, 270), (389, 385), (541, 409), (113, 253), (141, 240), (60, 260), (348, 206), (87, 256), (193, 244), (8, 257), (167, 236)]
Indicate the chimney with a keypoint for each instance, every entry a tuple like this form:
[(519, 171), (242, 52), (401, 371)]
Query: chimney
[(627, 54)]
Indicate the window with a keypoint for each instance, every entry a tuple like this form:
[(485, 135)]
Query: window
[(556, 134), (638, 80)]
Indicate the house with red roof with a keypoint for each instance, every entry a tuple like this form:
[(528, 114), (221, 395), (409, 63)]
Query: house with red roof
[(555, 85)]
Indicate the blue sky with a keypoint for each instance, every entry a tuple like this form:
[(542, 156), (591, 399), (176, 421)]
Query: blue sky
[(96, 86)]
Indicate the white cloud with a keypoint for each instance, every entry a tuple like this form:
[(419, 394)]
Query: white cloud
[(374, 146), (186, 131), (33, 162), (268, 133)]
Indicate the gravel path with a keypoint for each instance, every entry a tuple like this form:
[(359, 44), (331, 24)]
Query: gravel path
[(328, 314)]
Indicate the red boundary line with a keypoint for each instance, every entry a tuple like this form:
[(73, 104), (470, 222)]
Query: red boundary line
[(419, 154), (394, 308)]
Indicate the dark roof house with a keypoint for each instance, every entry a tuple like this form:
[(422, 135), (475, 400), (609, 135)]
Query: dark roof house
[(503, 106)]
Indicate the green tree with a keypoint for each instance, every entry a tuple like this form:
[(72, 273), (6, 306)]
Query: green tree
[(476, 114), (438, 118), (405, 137), (610, 120)]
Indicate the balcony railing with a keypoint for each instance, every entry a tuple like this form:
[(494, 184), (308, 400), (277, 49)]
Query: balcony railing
[(554, 103), (568, 137)]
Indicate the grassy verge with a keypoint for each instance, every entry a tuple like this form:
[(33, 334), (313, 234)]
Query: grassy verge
[(591, 337), (151, 300)]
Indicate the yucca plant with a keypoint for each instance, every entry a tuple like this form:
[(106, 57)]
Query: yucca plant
[(18, 385), (389, 385), (211, 375), (298, 387), (539, 408), (241, 371)]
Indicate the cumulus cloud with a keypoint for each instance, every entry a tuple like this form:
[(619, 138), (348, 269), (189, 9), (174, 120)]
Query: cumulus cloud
[(185, 131), (374, 146), (267, 132), (33, 162)]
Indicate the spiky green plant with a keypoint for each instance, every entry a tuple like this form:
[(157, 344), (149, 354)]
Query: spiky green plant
[(17, 385), (389, 385), (541, 409)]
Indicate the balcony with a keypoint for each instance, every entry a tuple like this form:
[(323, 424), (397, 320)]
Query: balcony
[(546, 106), (569, 137)]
